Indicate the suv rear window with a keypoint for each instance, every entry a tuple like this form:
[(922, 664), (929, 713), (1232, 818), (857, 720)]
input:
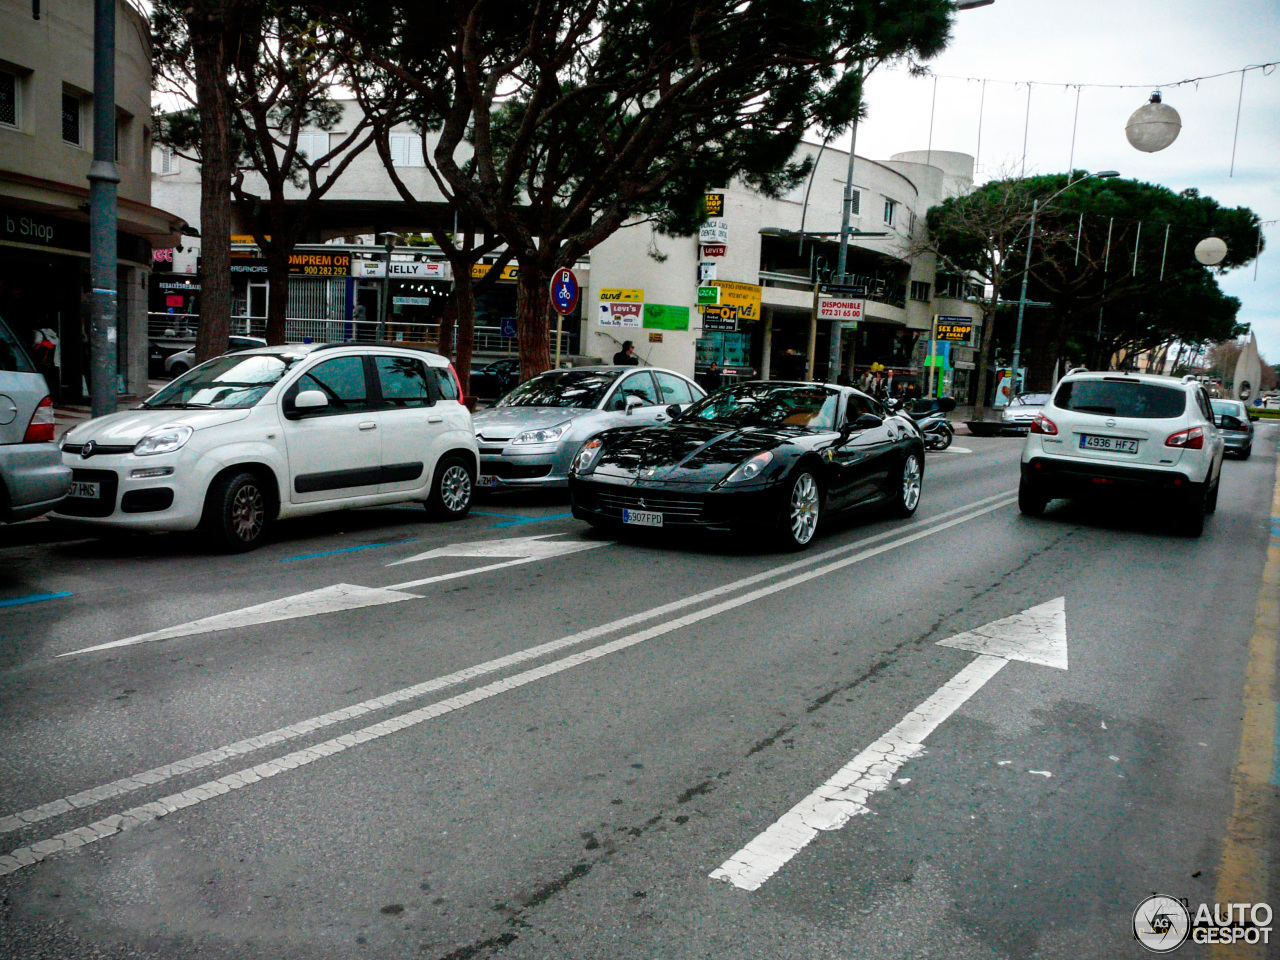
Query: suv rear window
[(1122, 398)]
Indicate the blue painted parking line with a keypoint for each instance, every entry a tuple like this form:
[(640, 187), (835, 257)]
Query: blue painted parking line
[(516, 523), (34, 598), (363, 546), (482, 513)]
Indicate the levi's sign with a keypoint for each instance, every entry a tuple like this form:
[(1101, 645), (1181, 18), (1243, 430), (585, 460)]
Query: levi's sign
[(840, 309), (620, 314), (713, 249)]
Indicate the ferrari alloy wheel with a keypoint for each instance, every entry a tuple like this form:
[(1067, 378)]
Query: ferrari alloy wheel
[(800, 515), (909, 488)]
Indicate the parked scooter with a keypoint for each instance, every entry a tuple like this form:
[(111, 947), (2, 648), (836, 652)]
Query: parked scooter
[(931, 417)]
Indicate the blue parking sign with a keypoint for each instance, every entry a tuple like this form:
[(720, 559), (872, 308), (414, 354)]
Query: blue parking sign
[(508, 326), (564, 291)]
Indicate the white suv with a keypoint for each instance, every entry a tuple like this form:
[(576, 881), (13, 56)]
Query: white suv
[(1112, 434), (278, 432)]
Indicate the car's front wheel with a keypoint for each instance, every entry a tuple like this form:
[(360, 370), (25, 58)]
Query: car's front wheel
[(237, 512), (801, 510), (452, 491)]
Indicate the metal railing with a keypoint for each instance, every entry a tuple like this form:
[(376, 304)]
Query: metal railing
[(182, 327)]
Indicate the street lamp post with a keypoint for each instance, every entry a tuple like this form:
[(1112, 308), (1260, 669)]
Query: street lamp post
[(1026, 268)]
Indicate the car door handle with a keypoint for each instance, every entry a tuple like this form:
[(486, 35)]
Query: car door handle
[(368, 425), (435, 418)]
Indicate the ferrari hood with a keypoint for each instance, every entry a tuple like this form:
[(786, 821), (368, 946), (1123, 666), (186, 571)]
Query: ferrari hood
[(694, 452)]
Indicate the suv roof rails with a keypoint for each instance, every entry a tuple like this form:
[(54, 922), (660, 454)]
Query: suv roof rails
[(1190, 378), (1076, 370), (333, 344)]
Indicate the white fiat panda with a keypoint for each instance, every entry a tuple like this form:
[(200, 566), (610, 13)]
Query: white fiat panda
[(274, 432)]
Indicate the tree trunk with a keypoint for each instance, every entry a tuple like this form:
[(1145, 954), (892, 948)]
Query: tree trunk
[(984, 360), (533, 301), (277, 293), (448, 322), (214, 99), (465, 297)]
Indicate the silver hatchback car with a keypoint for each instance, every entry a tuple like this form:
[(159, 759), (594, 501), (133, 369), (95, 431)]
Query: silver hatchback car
[(529, 438)]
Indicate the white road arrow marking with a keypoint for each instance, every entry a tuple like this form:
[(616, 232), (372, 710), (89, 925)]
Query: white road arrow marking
[(1037, 635), (529, 547), (340, 596), (347, 596)]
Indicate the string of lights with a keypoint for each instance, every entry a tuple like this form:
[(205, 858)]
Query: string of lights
[(1266, 68)]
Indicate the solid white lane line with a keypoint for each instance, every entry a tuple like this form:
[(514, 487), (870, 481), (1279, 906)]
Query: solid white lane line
[(37, 851), (1037, 635), (845, 795), (159, 774)]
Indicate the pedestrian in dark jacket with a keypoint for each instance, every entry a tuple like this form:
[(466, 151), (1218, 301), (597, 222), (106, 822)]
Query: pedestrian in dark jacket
[(711, 379), (627, 355)]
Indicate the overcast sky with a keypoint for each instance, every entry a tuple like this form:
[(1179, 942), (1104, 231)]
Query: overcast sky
[(1109, 42)]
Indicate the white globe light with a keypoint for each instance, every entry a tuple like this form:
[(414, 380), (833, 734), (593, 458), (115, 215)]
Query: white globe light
[(1210, 251), (1153, 126)]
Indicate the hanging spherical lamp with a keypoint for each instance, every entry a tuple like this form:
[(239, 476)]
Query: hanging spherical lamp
[(1153, 126), (1211, 251)]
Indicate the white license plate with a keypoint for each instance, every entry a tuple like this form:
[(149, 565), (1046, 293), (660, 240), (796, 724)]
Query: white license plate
[(1112, 444), (486, 480), (86, 489), (642, 518)]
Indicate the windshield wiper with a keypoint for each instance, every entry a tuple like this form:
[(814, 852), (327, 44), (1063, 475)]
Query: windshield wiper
[(178, 406)]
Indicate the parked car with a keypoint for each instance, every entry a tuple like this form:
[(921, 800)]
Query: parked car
[(1016, 417), (1115, 435), (1235, 421), (277, 432), (774, 457), (494, 380), (32, 477), (529, 438), (179, 363)]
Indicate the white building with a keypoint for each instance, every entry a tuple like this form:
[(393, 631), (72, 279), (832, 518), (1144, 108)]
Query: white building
[(46, 146), (763, 266)]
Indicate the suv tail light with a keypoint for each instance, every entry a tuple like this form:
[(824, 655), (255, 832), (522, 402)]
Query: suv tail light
[(1192, 439), (1042, 424), (40, 429)]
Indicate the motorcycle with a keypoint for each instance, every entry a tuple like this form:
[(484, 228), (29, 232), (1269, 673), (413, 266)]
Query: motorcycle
[(931, 417)]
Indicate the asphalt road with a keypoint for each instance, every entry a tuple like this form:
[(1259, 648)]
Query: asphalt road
[(550, 756)]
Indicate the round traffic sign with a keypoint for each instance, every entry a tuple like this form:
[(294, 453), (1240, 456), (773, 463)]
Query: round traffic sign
[(564, 291)]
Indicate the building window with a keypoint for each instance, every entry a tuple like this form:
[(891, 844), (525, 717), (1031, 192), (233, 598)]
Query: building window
[(168, 161), (406, 150), (71, 118), (919, 290), (855, 198), (313, 146), (890, 208), (8, 100)]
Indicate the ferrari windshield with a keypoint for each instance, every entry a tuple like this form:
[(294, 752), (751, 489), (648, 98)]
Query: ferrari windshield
[(562, 388), (762, 404), (230, 382)]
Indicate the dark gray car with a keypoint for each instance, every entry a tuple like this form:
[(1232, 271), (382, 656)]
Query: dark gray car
[(1232, 418), (32, 477)]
